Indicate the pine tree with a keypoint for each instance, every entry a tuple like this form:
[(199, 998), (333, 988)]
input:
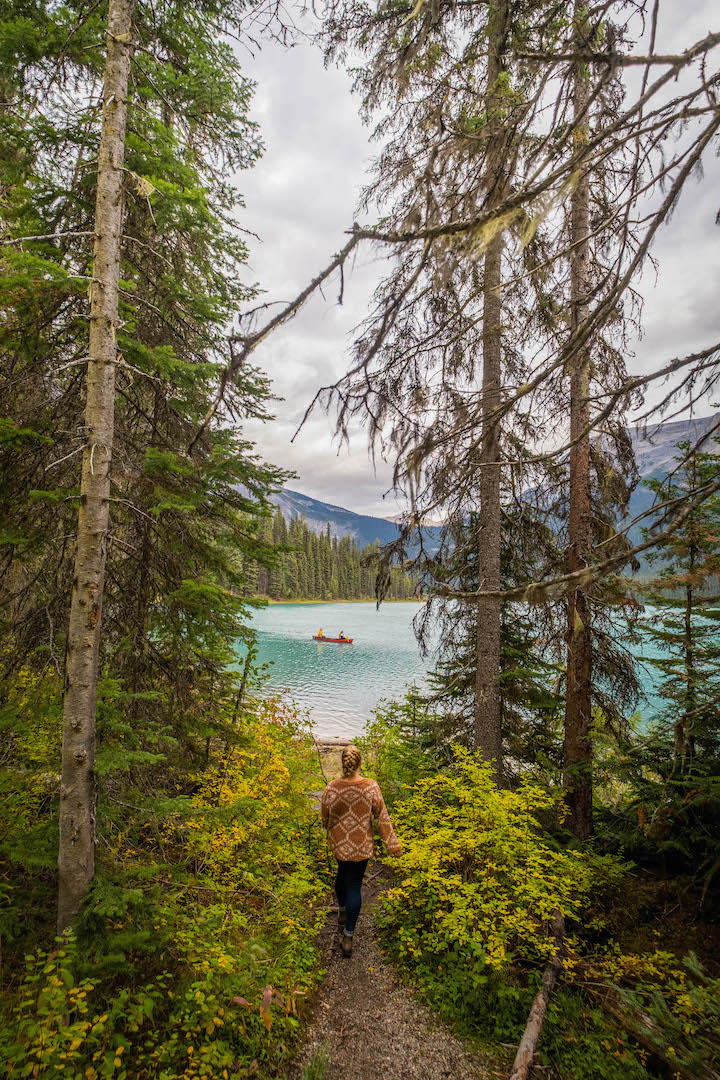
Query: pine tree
[(182, 525), (76, 858), (529, 699), (672, 771), (682, 621), (292, 583), (488, 732), (447, 336)]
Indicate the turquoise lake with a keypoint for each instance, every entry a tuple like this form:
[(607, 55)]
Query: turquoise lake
[(340, 685)]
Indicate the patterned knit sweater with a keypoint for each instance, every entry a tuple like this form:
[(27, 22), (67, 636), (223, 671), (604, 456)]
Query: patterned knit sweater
[(348, 807)]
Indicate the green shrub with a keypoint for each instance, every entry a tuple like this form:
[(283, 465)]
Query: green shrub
[(468, 916), (197, 943), (479, 877), (162, 1029)]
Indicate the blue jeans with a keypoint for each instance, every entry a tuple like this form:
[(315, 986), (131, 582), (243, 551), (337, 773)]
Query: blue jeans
[(348, 888)]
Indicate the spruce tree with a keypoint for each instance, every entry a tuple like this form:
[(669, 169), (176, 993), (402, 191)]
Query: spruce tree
[(76, 858), (182, 526), (672, 770), (683, 620), (578, 697)]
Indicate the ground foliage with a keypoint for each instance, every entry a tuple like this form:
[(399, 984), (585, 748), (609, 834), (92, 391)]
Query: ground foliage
[(481, 873), (196, 946)]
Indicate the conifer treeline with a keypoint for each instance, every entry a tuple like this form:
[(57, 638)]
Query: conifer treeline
[(312, 566)]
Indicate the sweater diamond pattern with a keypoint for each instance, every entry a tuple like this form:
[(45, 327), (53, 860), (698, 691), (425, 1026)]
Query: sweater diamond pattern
[(348, 809)]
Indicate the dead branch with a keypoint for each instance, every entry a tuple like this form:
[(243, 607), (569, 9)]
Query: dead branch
[(616, 59), (525, 1055), (45, 236), (535, 591), (250, 342)]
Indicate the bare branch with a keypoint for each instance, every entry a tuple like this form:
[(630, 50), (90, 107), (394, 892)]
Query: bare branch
[(251, 341)]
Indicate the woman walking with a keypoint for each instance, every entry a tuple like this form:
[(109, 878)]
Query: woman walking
[(348, 807)]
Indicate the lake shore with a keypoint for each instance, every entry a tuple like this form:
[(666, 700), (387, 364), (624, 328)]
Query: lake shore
[(330, 755), (360, 600)]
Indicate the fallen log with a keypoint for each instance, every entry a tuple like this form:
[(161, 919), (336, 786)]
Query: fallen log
[(536, 1018)]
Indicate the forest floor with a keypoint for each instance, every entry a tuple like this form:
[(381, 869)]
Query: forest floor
[(366, 1025)]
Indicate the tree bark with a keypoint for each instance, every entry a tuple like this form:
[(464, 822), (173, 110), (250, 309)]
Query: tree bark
[(76, 856), (536, 1018), (488, 729), (577, 748)]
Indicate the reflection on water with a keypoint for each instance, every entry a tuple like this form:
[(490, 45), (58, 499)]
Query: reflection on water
[(340, 684)]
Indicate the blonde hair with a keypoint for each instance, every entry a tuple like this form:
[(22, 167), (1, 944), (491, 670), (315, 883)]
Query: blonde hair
[(351, 760)]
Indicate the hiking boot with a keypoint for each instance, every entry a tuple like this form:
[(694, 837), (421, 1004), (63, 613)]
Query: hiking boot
[(342, 915), (347, 946)]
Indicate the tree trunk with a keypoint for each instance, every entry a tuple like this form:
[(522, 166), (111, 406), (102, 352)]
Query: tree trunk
[(76, 857), (488, 732), (577, 748)]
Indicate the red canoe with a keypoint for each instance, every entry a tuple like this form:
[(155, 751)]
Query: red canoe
[(337, 640)]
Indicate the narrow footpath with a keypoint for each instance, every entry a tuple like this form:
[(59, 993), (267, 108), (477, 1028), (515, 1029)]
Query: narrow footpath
[(364, 1023)]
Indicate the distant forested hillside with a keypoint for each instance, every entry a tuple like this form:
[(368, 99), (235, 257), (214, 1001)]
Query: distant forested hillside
[(654, 447), (319, 566), (362, 528)]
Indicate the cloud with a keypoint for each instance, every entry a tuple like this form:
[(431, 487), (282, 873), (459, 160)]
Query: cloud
[(301, 198)]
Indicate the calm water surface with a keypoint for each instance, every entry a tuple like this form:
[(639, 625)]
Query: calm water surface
[(340, 684)]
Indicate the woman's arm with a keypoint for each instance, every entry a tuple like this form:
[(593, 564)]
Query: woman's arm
[(384, 824)]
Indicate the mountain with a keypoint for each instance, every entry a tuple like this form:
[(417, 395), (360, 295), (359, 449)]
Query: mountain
[(655, 445), (655, 450), (363, 528)]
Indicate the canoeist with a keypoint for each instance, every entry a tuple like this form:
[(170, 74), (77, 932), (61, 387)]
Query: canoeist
[(348, 808), (320, 632), (342, 635)]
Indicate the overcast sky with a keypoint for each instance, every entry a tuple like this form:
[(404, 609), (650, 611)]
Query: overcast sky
[(302, 196)]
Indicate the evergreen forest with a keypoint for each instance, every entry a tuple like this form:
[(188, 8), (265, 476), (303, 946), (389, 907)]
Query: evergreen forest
[(319, 566), (551, 908)]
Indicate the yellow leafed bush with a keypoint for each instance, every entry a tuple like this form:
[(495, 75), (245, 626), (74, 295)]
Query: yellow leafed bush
[(479, 877), (199, 933)]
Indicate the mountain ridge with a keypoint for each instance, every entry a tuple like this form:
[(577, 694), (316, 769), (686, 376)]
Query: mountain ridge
[(655, 449), (363, 528)]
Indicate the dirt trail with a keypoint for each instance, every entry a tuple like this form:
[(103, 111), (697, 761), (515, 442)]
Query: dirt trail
[(367, 1024)]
